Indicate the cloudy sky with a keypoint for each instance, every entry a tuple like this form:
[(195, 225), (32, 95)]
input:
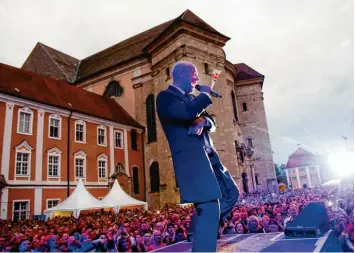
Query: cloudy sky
[(304, 48)]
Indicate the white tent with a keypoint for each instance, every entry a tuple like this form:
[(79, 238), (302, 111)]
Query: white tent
[(80, 199), (332, 182), (118, 197)]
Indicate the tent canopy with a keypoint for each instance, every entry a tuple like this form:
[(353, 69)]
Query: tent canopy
[(118, 197), (332, 182), (80, 199)]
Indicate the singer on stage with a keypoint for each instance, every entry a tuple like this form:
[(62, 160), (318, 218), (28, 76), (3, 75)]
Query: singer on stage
[(200, 175)]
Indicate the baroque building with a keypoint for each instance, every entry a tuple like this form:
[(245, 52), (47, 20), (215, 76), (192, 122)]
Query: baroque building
[(134, 71), (52, 135), (304, 169)]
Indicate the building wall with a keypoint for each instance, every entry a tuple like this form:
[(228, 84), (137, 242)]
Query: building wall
[(38, 187), (125, 78), (151, 79), (198, 52), (254, 124), (299, 176)]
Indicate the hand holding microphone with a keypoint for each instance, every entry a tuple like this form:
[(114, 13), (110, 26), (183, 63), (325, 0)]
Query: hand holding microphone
[(207, 89)]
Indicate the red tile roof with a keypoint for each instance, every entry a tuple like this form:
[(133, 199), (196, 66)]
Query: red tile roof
[(68, 64), (301, 158), (50, 62), (45, 90), (245, 72), (120, 53), (191, 18)]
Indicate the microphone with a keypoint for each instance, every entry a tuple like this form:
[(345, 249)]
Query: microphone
[(212, 93)]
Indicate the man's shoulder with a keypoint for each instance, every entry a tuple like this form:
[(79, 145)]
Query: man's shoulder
[(167, 93)]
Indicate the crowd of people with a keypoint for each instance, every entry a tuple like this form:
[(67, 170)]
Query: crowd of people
[(146, 230)]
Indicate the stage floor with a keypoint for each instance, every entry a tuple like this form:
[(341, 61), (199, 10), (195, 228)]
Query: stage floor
[(272, 242)]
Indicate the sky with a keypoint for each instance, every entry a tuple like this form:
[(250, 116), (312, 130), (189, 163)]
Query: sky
[(304, 48)]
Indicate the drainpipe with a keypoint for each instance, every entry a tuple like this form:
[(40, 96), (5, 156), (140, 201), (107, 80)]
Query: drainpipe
[(68, 155), (145, 181)]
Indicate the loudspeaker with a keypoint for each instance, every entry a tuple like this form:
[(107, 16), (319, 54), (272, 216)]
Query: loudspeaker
[(312, 221)]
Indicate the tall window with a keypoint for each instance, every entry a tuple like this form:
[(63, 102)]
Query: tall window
[(151, 123), (102, 169), (245, 108), (79, 167), (250, 142), (53, 166), (23, 159), (101, 135), (25, 118), (134, 139), (234, 106), (154, 177), (118, 139), (135, 180), (80, 128), (22, 164), (113, 89), (53, 162), (52, 203), (21, 210), (257, 179), (55, 126), (207, 69)]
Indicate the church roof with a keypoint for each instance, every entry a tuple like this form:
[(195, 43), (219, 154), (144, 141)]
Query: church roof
[(119, 53), (245, 72), (134, 47), (301, 157), (35, 87), (66, 67), (131, 48)]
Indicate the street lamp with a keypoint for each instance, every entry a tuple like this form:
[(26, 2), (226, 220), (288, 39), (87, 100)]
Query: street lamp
[(345, 138)]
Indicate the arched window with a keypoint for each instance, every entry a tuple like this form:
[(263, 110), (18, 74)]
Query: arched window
[(151, 125), (234, 106), (135, 180), (154, 177), (113, 89)]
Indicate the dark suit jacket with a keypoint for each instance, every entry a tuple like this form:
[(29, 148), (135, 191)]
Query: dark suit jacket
[(193, 170)]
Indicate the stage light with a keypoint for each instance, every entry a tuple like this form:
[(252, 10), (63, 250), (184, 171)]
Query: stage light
[(342, 164), (158, 212), (329, 203)]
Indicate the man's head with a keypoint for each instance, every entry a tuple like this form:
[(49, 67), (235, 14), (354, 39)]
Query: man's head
[(147, 239), (253, 223), (157, 237), (293, 210), (171, 228), (185, 76), (52, 241), (24, 246)]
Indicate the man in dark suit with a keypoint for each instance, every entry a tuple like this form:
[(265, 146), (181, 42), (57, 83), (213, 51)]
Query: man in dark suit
[(200, 175)]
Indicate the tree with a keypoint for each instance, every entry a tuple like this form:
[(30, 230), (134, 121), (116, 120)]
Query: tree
[(280, 171)]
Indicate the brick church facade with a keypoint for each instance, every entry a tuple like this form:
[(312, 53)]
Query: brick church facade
[(134, 71)]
